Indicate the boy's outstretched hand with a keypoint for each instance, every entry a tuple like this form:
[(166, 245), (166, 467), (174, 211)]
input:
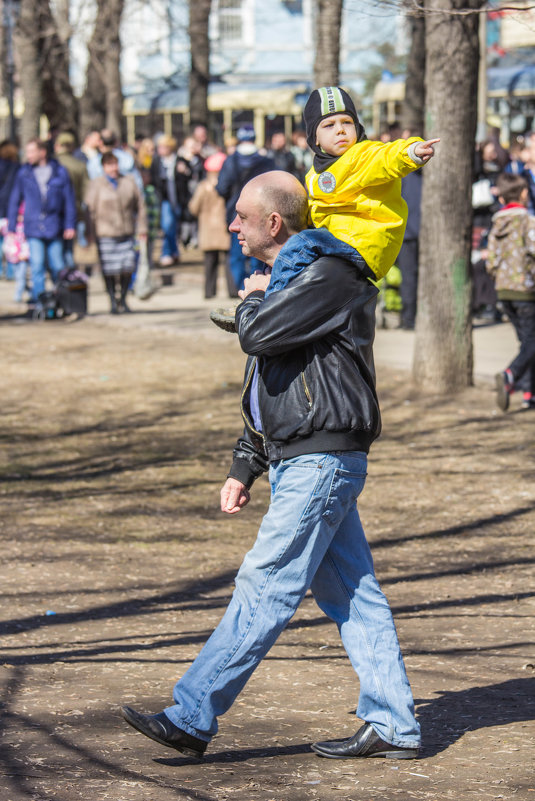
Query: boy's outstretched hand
[(426, 150)]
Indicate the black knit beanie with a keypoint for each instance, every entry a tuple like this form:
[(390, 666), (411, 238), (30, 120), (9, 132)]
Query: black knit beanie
[(323, 103)]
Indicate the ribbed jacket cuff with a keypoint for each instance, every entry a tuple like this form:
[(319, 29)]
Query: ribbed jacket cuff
[(412, 154), (241, 471)]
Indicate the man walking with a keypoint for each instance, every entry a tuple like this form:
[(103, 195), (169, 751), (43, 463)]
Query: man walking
[(311, 413), (45, 188)]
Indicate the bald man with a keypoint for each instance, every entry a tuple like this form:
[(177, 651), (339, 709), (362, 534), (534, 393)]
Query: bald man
[(311, 413)]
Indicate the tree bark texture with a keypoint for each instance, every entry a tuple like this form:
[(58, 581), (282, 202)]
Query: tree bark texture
[(62, 15), (59, 102), (93, 101), (443, 347), (29, 68), (328, 22), (199, 13), (413, 107), (101, 103), (43, 70), (3, 50), (114, 92)]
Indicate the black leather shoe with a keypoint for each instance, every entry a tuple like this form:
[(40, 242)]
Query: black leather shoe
[(365, 743), (159, 727)]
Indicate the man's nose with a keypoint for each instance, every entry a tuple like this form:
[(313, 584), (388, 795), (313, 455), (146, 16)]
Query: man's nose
[(234, 227)]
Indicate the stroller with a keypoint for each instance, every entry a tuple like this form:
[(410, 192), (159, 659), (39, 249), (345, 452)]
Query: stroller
[(69, 296)]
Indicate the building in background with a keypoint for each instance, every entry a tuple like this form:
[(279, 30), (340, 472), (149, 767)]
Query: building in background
[(261, 61), (510, 74), (262, 56)]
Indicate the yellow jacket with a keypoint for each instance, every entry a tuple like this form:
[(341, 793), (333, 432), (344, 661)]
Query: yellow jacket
[(358, 199)]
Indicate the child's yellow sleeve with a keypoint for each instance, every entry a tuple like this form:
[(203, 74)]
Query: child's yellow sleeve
[(372, 163)]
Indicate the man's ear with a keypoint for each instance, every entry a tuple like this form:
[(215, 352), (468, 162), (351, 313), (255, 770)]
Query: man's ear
[(275, 223)]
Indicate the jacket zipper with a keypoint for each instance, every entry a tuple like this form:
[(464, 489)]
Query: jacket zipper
[(307, 391), (248, 422)]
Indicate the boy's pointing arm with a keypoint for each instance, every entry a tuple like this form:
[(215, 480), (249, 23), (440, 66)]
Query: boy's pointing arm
[(423, 151)]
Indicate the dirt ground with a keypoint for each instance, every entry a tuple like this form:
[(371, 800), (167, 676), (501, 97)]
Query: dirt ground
[(116, 565)]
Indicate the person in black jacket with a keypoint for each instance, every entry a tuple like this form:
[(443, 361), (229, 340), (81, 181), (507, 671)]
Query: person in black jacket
[(170, 175), (311, 413), (407, 260), (282, 156)]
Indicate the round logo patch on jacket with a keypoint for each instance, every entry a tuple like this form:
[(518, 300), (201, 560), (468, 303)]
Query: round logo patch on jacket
[(327, 182)]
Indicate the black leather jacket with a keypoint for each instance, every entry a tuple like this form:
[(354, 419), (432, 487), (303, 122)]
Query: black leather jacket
[(316, 380)]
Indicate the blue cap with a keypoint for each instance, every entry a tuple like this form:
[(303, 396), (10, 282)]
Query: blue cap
[(246, 133)]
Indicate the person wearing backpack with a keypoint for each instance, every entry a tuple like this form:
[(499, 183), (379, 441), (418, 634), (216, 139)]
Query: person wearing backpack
[(511, 261), (245, 163)]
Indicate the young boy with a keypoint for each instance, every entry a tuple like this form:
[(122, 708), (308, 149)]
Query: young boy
[(511, 260), (354, 187)]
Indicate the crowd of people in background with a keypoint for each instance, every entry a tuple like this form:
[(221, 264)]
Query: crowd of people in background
[(101, 201)]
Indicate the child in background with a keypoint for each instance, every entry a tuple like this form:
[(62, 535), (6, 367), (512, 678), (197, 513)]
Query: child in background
[(511, 260), (17, 253), (214, 238), (354, 187)]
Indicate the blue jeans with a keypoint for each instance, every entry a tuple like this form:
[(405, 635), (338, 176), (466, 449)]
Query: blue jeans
[(41, 251), (238, 262), (81, 233), (311, 537), (20, 280), (9, 271), (521, 313), (169, 219)]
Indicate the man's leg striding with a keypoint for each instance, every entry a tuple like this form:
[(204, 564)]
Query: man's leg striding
[(270, 585), (346, 589)]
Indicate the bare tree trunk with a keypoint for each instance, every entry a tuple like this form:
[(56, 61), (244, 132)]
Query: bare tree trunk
[(443, 347), (93, 101), (114, 92), (3, 50), (62, 15), (59, 103), (8, 15), (199, 13), (199, 77), (29, 67), (327, 42), (414, 104), (101, 104)]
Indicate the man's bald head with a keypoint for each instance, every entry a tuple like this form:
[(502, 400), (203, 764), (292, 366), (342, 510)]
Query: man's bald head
[(270, 208), (279, 191)]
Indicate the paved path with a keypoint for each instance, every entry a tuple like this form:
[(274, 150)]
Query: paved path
[(181, 306)]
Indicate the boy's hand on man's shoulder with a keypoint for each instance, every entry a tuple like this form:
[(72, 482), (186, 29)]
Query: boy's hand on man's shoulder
[(256, 281), (426, 150)]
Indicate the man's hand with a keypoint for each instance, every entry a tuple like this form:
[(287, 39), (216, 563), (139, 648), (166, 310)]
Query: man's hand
[(69, 233), (234, 496), (425, 150), (256, 281)]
